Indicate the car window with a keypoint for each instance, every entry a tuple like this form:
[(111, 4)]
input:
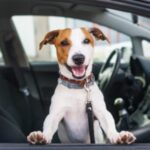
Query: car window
[(37, 27), (146, 48)]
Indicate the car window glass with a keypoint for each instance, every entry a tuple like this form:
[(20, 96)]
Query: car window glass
[(144, 22), (141, 21), (146, 48), (37, 27)]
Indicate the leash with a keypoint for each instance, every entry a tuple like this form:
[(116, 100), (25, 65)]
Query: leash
[(89, 110)]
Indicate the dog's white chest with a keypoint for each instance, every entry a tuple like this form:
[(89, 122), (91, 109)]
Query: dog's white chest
[(75, 121)]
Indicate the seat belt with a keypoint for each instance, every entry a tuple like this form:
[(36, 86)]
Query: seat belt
[(23, 88)]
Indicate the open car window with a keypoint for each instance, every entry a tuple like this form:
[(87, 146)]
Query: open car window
[(37, 27)]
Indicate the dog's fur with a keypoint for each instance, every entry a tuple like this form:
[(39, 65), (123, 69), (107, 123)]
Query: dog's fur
[(67, 111)]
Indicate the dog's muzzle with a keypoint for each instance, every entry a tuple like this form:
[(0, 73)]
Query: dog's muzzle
[(78, 59)]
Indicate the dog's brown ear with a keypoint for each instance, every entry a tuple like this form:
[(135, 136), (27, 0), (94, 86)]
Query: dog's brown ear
[(49, 38), (98, 34)]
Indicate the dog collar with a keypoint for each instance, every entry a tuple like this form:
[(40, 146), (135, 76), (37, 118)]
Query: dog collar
[(76, 84)]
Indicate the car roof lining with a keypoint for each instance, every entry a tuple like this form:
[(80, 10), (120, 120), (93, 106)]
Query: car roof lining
[(20, 7), (56, 10)]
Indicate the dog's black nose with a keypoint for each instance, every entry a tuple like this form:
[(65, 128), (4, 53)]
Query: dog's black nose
[(78, 59)]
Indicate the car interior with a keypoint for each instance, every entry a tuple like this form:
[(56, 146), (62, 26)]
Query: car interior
[(26, 86)]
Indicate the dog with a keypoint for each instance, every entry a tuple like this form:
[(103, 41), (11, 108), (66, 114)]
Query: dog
[(67, 114)]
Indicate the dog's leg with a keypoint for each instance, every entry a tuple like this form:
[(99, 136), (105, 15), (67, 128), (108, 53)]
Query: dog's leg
[(107, 123), (50, 126), (99, 135)]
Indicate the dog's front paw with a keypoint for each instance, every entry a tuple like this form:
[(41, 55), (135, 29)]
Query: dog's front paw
[(37, 137), (124, 137)]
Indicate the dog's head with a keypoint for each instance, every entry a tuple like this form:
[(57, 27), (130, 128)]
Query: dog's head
[(75, 48)]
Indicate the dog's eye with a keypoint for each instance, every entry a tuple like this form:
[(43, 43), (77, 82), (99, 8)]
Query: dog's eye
[(86, 41), (64, 43)]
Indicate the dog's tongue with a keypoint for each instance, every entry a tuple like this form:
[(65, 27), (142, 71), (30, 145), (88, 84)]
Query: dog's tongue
[(78, 71)]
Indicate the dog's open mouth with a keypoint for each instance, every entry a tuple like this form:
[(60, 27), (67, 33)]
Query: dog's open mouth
[(78, 71)]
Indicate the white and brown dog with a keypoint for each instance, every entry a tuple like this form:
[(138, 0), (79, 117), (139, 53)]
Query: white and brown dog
[(75, 49)]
